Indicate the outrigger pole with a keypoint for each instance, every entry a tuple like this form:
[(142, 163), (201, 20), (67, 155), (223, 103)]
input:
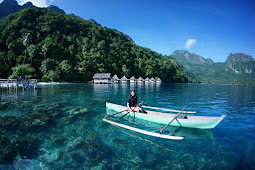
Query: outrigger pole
[(159, 135), (144, 131), (163, 128), (169, 110)]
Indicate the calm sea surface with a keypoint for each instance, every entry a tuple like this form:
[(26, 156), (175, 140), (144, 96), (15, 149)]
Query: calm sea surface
[(61, 127)]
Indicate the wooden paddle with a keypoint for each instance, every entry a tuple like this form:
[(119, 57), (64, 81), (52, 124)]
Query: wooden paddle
[(131, 110), (163, 128)]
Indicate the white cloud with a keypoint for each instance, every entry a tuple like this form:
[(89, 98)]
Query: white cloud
[(38, 3), (190, 43)]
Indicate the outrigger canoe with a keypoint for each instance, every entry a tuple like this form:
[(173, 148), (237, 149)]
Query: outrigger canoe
[(189, 121)]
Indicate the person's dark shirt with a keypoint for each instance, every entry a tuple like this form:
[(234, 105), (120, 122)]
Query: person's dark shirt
[(132, 100)]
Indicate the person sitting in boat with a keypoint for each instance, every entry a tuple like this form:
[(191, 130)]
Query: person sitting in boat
[(132, 103)]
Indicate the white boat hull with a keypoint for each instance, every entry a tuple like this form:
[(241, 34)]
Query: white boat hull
[(200, 122)]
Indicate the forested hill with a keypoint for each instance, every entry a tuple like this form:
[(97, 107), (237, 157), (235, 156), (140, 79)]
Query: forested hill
[(239, 68), (45, 44)]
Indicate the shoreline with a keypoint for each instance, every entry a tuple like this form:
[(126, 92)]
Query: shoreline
[(57, 83)]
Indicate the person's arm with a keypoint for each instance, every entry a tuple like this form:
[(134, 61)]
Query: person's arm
[(129, 109)]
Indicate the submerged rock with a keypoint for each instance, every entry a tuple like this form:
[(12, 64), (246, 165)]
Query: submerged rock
[(28, 164), (50, 158), (78, 158), (136, 160), (100, 166), (36, 122), (6, 167), (14, 146), (8, 122), (151, 158), (57, 140), (76, 111), (74, 145)]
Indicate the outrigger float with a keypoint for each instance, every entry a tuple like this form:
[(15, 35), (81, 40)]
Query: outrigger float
[(182, 119)]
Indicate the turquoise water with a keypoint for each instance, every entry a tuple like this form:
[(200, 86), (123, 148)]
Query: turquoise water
[(61, 127)]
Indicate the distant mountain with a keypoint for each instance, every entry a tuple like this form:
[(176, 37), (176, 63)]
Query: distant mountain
[(7, 7), (27, 5), (187, 58), (10, 6), (237, 69), (240, 63), (56, 9)]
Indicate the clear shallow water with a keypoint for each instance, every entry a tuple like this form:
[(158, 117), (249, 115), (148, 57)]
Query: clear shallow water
[(61, 127)]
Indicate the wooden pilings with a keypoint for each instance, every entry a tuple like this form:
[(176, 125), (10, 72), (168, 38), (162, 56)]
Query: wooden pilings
[(14, 84)]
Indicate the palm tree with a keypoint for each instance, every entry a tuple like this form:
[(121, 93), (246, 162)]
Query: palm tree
[(31, 52), (25, 43), (44, 50)]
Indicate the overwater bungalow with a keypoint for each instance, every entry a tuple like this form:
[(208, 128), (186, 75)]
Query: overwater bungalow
[(133, 79), (147, 80), (140, 80), (158, 80), (102, 78), (124, 79), (152, 80), (115, 79)]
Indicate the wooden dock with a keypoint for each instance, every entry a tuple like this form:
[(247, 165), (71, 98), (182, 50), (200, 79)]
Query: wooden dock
[(15, 84)]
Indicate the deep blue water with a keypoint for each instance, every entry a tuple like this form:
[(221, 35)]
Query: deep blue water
[(61, 127)]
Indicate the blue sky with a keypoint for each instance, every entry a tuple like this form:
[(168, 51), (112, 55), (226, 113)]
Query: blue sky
[(210, 28)]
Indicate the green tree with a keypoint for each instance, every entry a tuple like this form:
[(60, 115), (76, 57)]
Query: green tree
[(46, 44), (26, 40), (44, 50), (66, 70), (26, 70), (125, 70), (45, 78), (53, 75), (48, 64), (31, 51)]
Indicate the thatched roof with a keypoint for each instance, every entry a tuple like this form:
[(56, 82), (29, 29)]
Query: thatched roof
[(115, 77), (102, 76), (123, 78), (140, 78), (132, 78)]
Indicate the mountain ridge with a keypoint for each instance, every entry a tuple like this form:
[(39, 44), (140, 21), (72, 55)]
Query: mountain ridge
[(238, 68), (10, 6), (191, 58)]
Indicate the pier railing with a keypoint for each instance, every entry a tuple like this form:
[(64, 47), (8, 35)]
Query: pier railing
[(18, 81), (15, 83)]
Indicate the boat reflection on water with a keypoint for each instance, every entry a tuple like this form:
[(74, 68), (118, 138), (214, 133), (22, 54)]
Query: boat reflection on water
[(191, 133), (187, 133)]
